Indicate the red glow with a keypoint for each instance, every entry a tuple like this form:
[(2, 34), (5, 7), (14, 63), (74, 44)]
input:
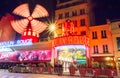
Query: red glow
[(39, 11), (23, 11), (34, 55), (71, 40), (68, 28), (30, 18), (19, 25)]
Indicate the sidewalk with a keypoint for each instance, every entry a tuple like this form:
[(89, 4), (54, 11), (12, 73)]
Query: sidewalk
[(55, 75), (36, 75)]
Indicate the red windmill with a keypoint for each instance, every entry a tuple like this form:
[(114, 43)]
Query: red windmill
[(27, 23)]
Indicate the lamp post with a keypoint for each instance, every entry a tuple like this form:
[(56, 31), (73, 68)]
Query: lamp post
[(52, 29)]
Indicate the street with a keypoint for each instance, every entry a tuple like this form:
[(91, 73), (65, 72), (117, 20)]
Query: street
[(6, 74)]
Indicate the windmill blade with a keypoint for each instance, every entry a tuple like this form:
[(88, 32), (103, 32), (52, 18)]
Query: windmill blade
[(22, 10), (38, 26), (39, 11), (19, 25)]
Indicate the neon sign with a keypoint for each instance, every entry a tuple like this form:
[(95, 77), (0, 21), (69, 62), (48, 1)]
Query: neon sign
[(16, 43), (71, 40), (32, 55)]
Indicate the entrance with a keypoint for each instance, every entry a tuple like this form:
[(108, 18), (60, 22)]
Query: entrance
[(71, 53)]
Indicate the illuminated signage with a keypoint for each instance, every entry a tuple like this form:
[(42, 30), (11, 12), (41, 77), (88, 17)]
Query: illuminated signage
[(5, 49), (32, 55), (71, 40), (16, 43), (72, 53)]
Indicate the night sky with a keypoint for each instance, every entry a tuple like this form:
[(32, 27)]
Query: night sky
[(106, 9), (7, 6), (103, 9)]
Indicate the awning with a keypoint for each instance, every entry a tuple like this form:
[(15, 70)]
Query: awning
[(35, 46)]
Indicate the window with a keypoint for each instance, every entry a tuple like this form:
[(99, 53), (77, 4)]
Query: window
[(59, 35), (83, 32), (103, 34), (105, 48), (82, 22), (119, 25), (75, 33), (60, 16), (95, 49), (75, 23), (82, 11), (74, 13), (118, 43), (60, 26), (94, 35), (66, 14)]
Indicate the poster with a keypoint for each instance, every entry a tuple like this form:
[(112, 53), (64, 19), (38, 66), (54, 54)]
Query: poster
[(33, 55), (72, 53)]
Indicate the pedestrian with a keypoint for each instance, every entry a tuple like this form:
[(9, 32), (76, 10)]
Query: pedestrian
[(56, 68), (60, 68)]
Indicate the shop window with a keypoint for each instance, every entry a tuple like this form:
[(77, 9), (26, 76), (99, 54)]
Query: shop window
[(82, 22), (83, 32), (94, 35), (105, 48), (74, 13), (118, 43), (82, 11), (95, 49), (60, 16), (103, 34), (66, 14)]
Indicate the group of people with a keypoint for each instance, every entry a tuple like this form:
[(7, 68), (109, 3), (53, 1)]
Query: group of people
[(58, 68)]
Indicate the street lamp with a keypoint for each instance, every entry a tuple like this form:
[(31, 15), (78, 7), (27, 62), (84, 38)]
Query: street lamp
[(52, 29)]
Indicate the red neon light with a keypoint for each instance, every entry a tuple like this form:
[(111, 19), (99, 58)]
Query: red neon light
[(71, 40), (68, 28)]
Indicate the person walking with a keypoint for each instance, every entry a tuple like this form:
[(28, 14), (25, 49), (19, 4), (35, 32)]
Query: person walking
[(60, 68)]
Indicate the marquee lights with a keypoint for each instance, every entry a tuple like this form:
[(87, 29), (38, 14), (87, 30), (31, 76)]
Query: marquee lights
[(71, 40), (16, 43)]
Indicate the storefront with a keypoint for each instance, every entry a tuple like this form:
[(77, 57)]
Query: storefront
[(103, 62), (69, 49), (25, 51)]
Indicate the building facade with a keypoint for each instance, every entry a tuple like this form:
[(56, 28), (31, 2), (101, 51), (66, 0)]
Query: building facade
[(115, 29), (101, 48), (6, 31), (101, 45), (77, 11), (76, 39)]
